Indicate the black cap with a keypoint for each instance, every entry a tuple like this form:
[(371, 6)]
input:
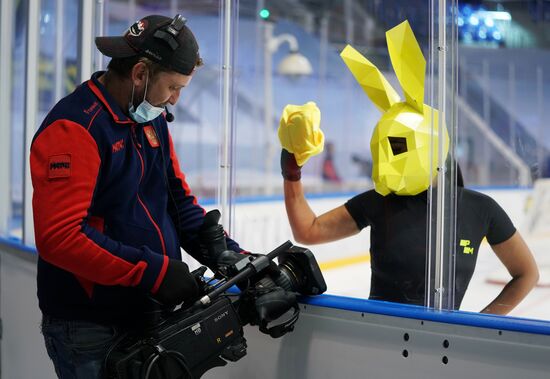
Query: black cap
[(166, 41)]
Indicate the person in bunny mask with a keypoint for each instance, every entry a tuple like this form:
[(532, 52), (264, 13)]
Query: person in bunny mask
[(396, 210)]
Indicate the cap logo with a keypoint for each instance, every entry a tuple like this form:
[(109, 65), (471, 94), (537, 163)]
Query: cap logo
[(138, 27)]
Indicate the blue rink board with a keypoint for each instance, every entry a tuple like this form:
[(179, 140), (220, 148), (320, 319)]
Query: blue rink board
[(508, 323)]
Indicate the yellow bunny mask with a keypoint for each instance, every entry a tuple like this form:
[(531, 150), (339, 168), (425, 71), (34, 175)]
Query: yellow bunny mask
[(401, 143)]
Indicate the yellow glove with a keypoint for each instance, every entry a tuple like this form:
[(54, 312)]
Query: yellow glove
[(299, 131)]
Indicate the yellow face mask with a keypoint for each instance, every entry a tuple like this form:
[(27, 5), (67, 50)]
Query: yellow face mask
[(299, 131), (405, 141)]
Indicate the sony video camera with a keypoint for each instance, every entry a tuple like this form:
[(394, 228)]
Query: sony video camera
[(195, 338)]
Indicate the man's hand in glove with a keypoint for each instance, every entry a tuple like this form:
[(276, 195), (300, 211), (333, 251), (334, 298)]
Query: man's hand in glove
[(289, 168), (178, 286)]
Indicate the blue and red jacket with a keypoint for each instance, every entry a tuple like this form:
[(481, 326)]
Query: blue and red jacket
[(111, 206)]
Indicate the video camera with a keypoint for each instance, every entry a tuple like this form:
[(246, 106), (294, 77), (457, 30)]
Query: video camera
[(193, 339)]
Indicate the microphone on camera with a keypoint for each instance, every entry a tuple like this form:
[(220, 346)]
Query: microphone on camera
[(169, 116)]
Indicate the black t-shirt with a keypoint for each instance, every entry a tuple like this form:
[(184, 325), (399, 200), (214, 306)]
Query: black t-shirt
[(398, 240)]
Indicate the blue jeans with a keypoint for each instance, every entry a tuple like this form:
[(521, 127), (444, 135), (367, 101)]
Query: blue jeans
[(77, 348)]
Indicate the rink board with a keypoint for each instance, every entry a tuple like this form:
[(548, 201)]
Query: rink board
[(330, 343)]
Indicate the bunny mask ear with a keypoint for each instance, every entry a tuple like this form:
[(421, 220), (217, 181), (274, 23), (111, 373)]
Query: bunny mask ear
[(375, 85), (408, 63)]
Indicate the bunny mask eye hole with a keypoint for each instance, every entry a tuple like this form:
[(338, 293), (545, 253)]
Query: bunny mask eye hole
[(398, 145)]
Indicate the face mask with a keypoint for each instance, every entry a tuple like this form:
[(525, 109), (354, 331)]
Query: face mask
[(144, 112)]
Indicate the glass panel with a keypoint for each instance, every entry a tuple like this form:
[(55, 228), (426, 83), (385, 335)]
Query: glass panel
[(17, 112), (502, 145), (195, 130), (58, 52), (57, 75), (270, 31), (47, 64), (67, 77), (490, 145)]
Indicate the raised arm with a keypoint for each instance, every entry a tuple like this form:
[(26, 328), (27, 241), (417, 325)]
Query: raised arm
[(518, 260), (306, 227), (301, 138)]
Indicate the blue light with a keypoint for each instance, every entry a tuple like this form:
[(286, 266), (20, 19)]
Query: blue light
[(482, 33), (496, 15), (477, 25)]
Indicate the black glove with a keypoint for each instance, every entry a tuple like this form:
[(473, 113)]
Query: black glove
[(212, 240), (289, 168), (178, 285)]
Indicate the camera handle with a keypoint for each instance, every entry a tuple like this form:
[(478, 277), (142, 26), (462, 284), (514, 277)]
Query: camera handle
[(251, 268)]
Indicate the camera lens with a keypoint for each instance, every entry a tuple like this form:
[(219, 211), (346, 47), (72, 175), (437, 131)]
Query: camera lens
[(291, 276), (300, 272)]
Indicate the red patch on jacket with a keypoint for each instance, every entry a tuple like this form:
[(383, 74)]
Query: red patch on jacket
[(59, 166), (151, 136)]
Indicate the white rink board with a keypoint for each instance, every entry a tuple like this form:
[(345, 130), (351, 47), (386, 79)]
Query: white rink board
[(332, 343)]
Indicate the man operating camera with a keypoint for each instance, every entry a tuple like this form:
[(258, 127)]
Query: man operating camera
[(111, 206)]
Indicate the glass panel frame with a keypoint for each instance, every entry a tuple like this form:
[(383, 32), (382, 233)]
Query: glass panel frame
[(441, 250), (7, 17)]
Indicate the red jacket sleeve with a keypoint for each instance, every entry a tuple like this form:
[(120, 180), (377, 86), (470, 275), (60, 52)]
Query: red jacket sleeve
[(65, 163)]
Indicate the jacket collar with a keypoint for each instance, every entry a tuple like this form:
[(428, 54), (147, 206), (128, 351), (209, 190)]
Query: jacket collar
[(99, 90)]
